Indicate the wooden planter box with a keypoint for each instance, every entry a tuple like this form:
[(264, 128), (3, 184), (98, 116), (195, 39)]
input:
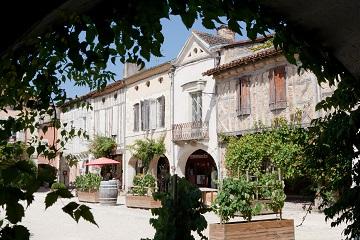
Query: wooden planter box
[(134, 201), (260, 229), (92, 197)]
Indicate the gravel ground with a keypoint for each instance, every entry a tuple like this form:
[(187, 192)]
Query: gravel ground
[(119, 222)]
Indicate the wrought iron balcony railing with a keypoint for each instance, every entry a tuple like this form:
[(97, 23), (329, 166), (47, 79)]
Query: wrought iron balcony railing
[(190, 131)]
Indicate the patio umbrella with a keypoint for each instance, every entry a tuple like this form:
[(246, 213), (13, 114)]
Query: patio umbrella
[(102, 161)]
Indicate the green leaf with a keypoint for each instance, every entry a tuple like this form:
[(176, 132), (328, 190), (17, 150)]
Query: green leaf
[(70, 208), (16, 232), (14, 212), (86, 214), (51, 198)]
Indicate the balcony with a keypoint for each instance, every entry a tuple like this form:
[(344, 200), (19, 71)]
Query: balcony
[(190, 131)]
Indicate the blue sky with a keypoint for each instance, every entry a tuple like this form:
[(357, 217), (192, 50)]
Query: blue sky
[(175, 35)]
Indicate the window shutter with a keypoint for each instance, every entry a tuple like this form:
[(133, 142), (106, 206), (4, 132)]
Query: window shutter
[(152, 114), (136, 117), (272, 90), (161, 111), (238, 97), (115, 119), (142, 109), (245, 96), (147, 115), (280, 87)]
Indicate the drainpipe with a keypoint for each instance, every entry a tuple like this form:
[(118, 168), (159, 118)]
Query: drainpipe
[(124, 142), (172, 103)]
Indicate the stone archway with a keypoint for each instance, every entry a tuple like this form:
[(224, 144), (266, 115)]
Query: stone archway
[(201, 169)]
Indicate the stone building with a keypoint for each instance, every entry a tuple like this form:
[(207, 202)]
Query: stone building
[(255, 84)]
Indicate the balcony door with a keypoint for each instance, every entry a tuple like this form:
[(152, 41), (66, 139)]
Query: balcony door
[(196, 106)]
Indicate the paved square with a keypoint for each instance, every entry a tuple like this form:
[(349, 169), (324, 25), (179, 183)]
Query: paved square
[(119, 222)]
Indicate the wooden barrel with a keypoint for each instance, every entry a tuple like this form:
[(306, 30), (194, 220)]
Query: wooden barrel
[(108, 192)]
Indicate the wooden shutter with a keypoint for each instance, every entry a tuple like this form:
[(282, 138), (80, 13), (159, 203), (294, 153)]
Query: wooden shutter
[(142, 109), (146, 114), (152, 114), (136, 117), (244, 96), (280, 87), (238, 97), (272, 99), (115, 119), (161, 111)]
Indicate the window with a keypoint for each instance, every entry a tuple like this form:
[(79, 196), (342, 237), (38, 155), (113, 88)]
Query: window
[(136, 117), (108, 122), (243, 96), (145, 114), (277, 88), (84, 124), (196, 105), (161, 111), (152, 113)]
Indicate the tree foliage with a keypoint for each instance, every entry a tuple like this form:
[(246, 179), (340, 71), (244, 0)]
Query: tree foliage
[(32, 73), (281, 146), (143, 184), (181, 212), (145, 150), (102, 146)]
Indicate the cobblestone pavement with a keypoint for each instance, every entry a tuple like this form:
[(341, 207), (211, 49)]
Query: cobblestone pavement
[(119, 222)]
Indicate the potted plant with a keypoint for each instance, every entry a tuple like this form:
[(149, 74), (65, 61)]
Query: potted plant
[(144, 185), (87, 187), (239, 196), (140, 195), (256, 165)]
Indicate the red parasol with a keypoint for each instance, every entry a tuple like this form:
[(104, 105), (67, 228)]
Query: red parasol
[(102, 161)]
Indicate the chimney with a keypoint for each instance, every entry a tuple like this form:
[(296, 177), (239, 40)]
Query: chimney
[(225, 32), (130, 69)]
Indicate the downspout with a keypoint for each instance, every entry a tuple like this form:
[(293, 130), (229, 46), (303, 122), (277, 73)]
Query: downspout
[(217, 63), (172, 103), (124, 141)]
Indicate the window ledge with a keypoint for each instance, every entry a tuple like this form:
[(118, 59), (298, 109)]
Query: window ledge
[(277, 105), (243, 112)]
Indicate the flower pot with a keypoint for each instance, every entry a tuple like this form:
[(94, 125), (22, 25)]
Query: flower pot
[(85, 196), (260, 229), (147, 202)]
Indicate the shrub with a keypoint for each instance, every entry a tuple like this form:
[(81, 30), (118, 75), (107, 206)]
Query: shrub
[(88, 182), (142, 184), (181, 213), (57, 185), (102, 146), (146, 149), (46, 174)]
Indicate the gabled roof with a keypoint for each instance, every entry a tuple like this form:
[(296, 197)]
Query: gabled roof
[(243, 61), (212, 40)]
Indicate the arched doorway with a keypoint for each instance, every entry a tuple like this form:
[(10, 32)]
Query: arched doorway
[(163, 174), (201, 169)]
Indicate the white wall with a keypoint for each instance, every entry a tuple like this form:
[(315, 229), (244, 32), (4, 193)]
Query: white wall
[(184, 75), (155, 90), (109, 116)]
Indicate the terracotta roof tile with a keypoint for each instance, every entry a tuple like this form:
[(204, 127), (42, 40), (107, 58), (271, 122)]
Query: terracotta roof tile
[(243, 61)]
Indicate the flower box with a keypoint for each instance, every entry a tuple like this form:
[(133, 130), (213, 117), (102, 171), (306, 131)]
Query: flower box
[(260, 229), (136, 201), (92, 197)]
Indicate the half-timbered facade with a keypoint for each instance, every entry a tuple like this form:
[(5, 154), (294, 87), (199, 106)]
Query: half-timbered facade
[(259, 86)]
